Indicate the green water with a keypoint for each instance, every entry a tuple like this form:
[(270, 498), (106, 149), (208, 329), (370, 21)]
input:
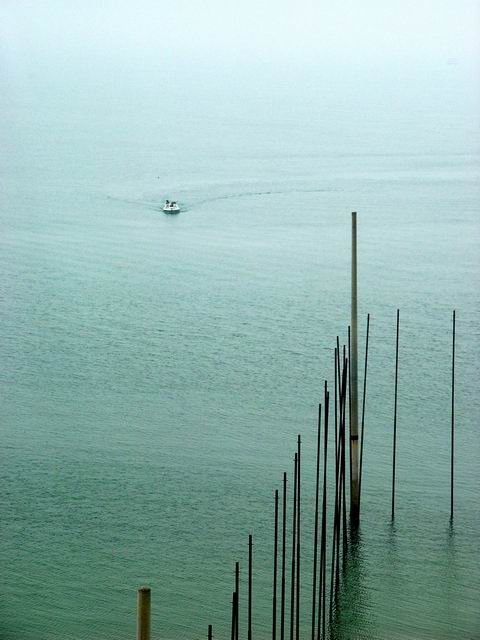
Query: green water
[(156, 369)]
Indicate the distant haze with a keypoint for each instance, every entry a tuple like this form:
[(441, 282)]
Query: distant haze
[(325, 31), (264, 62)]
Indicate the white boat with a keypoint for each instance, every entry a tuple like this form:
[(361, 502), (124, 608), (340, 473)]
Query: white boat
[(171, 207)]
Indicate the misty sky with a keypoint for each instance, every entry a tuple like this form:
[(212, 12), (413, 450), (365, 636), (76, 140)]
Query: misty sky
[(414, 31)]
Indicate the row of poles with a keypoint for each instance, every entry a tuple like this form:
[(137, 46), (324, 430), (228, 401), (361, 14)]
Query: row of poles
[(286, 603), (325, 605), (286, 606), (345, 386), (326, 581)]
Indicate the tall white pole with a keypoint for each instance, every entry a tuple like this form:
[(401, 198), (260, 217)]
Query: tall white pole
[(354, 480)]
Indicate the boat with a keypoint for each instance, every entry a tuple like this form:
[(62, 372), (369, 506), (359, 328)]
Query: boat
[(171, 207)]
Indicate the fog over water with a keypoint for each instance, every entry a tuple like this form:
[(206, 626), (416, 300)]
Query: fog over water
[(155, 370)]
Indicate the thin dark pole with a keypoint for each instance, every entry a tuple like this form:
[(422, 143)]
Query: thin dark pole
[(350, 418), (341, 492), (395, 418), (344, 502), (297, 623), (335, 399), (325, 515), (237, 590), (284, 539), (234, 613), (344, 498), (275, 570), (294, 542), (339, 379), (336, 529), (453, 418), (250, 553), (334, 547), (342, 508), (341, 426), (315, 534), (342, 410), (323, 552), (342, 514), (363, 410), (210, 633)]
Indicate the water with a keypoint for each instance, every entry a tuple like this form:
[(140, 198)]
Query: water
[(156, 369)]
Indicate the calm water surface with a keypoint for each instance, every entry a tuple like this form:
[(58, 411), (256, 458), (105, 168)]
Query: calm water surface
[(156, 369)]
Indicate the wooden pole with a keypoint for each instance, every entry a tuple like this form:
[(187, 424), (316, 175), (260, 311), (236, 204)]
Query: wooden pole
[(395, 418), (294, 546), (237, 590), (143, 613), (297, 622), (343, 475), (234, 613), (250, 553), (337, 508), (284, 542), (275, 570), (210, 633), (453, 418), (350, 405), (363, 412), (354, 481), (315, 533), (323, 552), (335, 382), (340, 520)]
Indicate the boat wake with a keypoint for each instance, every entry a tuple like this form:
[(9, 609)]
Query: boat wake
[(251, 194), (189, 203)]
